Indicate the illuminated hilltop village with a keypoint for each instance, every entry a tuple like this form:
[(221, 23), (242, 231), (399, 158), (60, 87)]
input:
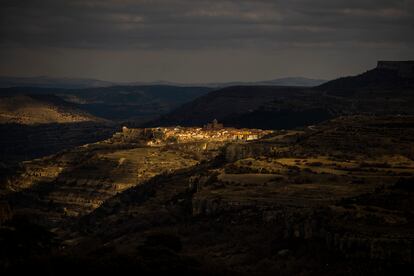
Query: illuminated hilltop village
[(213, 132)]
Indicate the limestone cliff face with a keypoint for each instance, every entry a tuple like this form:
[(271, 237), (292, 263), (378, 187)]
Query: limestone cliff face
[(76, 182), (352, 244), (234, 152), (306, 224)]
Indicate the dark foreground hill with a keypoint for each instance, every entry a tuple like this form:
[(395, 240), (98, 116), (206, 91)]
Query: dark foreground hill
[(335, 199), (387, 89)]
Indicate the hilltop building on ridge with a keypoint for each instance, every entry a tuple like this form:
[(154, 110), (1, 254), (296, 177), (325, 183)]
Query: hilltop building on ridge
[(213, 125)]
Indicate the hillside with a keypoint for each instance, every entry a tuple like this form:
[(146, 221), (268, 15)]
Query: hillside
[(288, 81), (227, 105), (383, 78), (293, 81), (120, 103), (40, 109), (213, 201), (33, 126), (383, 90)]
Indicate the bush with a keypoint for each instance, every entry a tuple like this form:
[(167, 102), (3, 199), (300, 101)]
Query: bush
[(406, 184), (164, 240), (315, 164)]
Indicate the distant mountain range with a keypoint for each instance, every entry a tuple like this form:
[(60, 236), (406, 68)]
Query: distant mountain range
[(290, 81), (78, 83), (281, 103), (49, 82)]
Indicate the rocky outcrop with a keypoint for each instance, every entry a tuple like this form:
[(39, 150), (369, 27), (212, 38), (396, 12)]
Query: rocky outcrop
[(371, 228)]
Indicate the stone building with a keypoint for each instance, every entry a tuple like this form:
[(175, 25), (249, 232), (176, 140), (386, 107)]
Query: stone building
[(213, 125)]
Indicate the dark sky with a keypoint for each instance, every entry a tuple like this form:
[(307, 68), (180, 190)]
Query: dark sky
[(202, 41)]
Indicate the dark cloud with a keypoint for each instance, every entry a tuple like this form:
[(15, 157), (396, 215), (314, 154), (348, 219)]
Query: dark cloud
[(182, 25), (179, 24)]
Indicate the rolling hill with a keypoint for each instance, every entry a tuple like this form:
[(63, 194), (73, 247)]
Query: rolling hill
[(40, 109), (382, 90), (229, 105), (119, 103), (32, 126)]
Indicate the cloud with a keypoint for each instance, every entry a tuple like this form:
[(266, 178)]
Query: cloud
[(200, 24), (201, 40)]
